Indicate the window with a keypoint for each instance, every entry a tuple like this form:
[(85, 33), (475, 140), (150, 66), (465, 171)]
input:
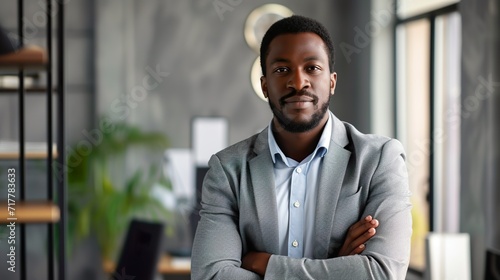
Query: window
[(427, 54)]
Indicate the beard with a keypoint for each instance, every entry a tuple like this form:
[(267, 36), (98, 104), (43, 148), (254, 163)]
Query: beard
[(294, 126)]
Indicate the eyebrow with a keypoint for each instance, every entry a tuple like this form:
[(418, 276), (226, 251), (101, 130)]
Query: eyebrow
[(276, 60), (279, 59)]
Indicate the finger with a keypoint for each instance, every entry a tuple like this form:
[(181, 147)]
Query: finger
[(362, 239), (352, 246), (361, 222), (358, 250), (365, 223), (355, 232)]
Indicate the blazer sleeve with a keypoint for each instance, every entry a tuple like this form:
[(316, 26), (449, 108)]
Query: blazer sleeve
[(217, 248), (387, 254)]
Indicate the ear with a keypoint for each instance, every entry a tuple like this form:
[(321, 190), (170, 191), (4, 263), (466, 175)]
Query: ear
[(333, 82), (263, 86)]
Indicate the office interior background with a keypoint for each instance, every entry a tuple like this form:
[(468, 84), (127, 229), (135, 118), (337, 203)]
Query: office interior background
[(152, 88)]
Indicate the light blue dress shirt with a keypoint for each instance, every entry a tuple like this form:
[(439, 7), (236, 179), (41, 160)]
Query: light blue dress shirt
[(296, 191)]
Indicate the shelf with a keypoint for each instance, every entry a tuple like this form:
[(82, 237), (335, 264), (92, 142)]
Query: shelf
[(27, 90), (29, 56), (166, 265), (32, 64), (28, 155), (30, 212), (10, 150)]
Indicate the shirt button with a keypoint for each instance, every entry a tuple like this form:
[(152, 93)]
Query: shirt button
[(295, 243), (299, 170), (296, 204)]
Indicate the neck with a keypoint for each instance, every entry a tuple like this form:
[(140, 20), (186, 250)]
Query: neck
[(298, 145)]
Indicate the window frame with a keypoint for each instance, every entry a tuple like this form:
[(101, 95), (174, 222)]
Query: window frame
[(399, 22)]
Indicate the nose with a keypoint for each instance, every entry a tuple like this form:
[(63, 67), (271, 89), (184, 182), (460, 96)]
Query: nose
[(298, 81)]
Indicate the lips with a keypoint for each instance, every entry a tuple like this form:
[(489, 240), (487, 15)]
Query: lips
[(299, 99), (299, 102)]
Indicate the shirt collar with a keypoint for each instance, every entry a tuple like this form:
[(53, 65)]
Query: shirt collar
[(321, 149)]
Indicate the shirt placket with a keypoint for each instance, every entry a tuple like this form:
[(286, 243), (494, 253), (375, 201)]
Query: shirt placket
[(296, 210)]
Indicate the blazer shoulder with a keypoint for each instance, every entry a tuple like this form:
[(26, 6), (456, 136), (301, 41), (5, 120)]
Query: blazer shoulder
[(244, 149), (359, 141)]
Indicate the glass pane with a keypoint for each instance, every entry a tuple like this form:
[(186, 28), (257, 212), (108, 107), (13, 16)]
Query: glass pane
[(447, 112), (413, 123)]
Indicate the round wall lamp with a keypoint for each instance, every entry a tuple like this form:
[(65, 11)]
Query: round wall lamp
[(256, 25)]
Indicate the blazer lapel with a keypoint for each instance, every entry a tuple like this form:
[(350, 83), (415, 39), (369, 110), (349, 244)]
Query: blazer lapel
[(262, 176), (331, 177)]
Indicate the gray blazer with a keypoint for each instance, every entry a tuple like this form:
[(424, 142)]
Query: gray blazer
[(360, 175)]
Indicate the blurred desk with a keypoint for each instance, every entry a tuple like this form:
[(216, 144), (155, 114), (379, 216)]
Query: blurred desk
[(170, 267), (174, 265)]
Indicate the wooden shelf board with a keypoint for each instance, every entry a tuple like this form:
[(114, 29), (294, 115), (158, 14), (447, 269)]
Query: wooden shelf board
[(28, 155), (29, 56), (30, 212), (9, 150)]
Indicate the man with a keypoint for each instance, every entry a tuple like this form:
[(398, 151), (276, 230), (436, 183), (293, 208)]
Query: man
[(299, 199)]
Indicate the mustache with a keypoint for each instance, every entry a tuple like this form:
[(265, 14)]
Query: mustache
[(294, 92)]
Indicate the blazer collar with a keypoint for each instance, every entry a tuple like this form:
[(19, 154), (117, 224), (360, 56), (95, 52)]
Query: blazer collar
[(339, 133), (331, 178), (339, 136), (263, 185), (261, 142)]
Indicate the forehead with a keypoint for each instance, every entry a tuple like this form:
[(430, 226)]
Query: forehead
[(293, 44)]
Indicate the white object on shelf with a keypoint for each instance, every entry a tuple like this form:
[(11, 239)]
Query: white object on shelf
[(12, 81)]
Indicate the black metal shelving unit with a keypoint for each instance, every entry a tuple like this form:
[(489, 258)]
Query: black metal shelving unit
[(55, 206)]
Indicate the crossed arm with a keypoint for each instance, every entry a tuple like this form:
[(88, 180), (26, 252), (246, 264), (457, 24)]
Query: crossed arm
[(219, 241), (358, 234)]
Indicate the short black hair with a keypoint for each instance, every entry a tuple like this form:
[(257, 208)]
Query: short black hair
[(292, 25)]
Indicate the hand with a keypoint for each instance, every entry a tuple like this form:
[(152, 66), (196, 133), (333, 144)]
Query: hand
[(256, 262), (357, 235)]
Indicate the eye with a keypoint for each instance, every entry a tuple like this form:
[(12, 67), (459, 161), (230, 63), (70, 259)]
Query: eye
[(313, 68), (280, 70)]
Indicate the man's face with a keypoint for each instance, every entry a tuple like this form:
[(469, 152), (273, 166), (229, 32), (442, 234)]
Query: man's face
[(298, 82)]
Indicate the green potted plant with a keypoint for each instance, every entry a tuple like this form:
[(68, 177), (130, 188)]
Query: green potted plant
[(104, 193)]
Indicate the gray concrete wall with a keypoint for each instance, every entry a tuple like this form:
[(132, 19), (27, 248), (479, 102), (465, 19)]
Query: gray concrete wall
[(208, 62), (480, 188)]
